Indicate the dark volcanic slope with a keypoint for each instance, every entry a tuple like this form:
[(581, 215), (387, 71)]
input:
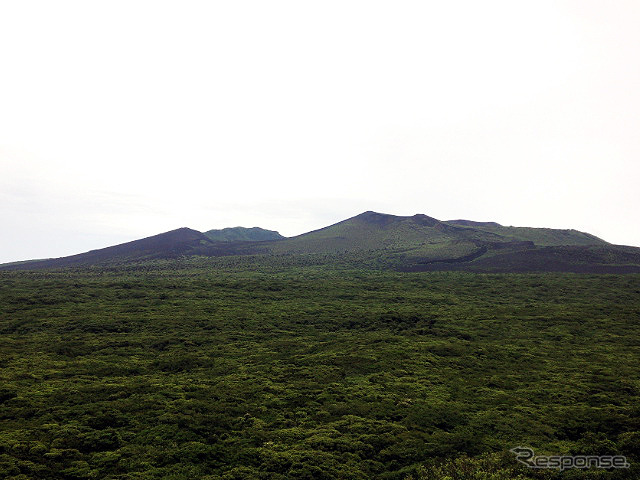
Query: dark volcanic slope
[(569, 258), (165, 245)]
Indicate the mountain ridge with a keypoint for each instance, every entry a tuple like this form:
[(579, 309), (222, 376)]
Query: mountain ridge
[(236, 234), (163, 245), (378, 240)]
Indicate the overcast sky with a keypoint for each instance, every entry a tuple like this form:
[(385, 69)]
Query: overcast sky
[(123, 119)]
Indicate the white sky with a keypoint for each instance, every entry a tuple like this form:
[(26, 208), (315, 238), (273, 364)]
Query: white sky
[(123, 119)]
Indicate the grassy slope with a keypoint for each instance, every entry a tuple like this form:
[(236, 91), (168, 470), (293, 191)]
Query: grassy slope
[(423, 243), (373, 231), (540, 236)]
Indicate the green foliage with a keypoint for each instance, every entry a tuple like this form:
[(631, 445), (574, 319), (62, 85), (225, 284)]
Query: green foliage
[(242, 234), (238, 368)]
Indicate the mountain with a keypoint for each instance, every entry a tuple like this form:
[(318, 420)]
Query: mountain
[(377, 240), (423, 236), (165, 245), (368, 231), (423, 243), (239, 234), (540, 236), (371, 231)]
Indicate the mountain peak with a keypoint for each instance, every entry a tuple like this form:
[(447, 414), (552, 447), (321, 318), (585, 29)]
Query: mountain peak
[(376, 218), (385, 218), (425, 220), (242, 234)]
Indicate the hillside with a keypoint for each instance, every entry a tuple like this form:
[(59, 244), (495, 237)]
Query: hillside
[(540, 236), (165, 245), (369, 231), (422, 234), (420, 242), (242, 234), (376, 240)]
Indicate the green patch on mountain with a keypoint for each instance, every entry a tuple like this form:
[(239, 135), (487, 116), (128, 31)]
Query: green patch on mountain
[(242, 234)]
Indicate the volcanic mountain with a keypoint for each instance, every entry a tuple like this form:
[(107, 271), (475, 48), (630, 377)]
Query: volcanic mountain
[(376, 240), (165, 245)]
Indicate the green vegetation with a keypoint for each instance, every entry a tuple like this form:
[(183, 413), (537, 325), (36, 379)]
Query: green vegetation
[(422, 235), (242, 234), (544, 237), (281, 367)]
